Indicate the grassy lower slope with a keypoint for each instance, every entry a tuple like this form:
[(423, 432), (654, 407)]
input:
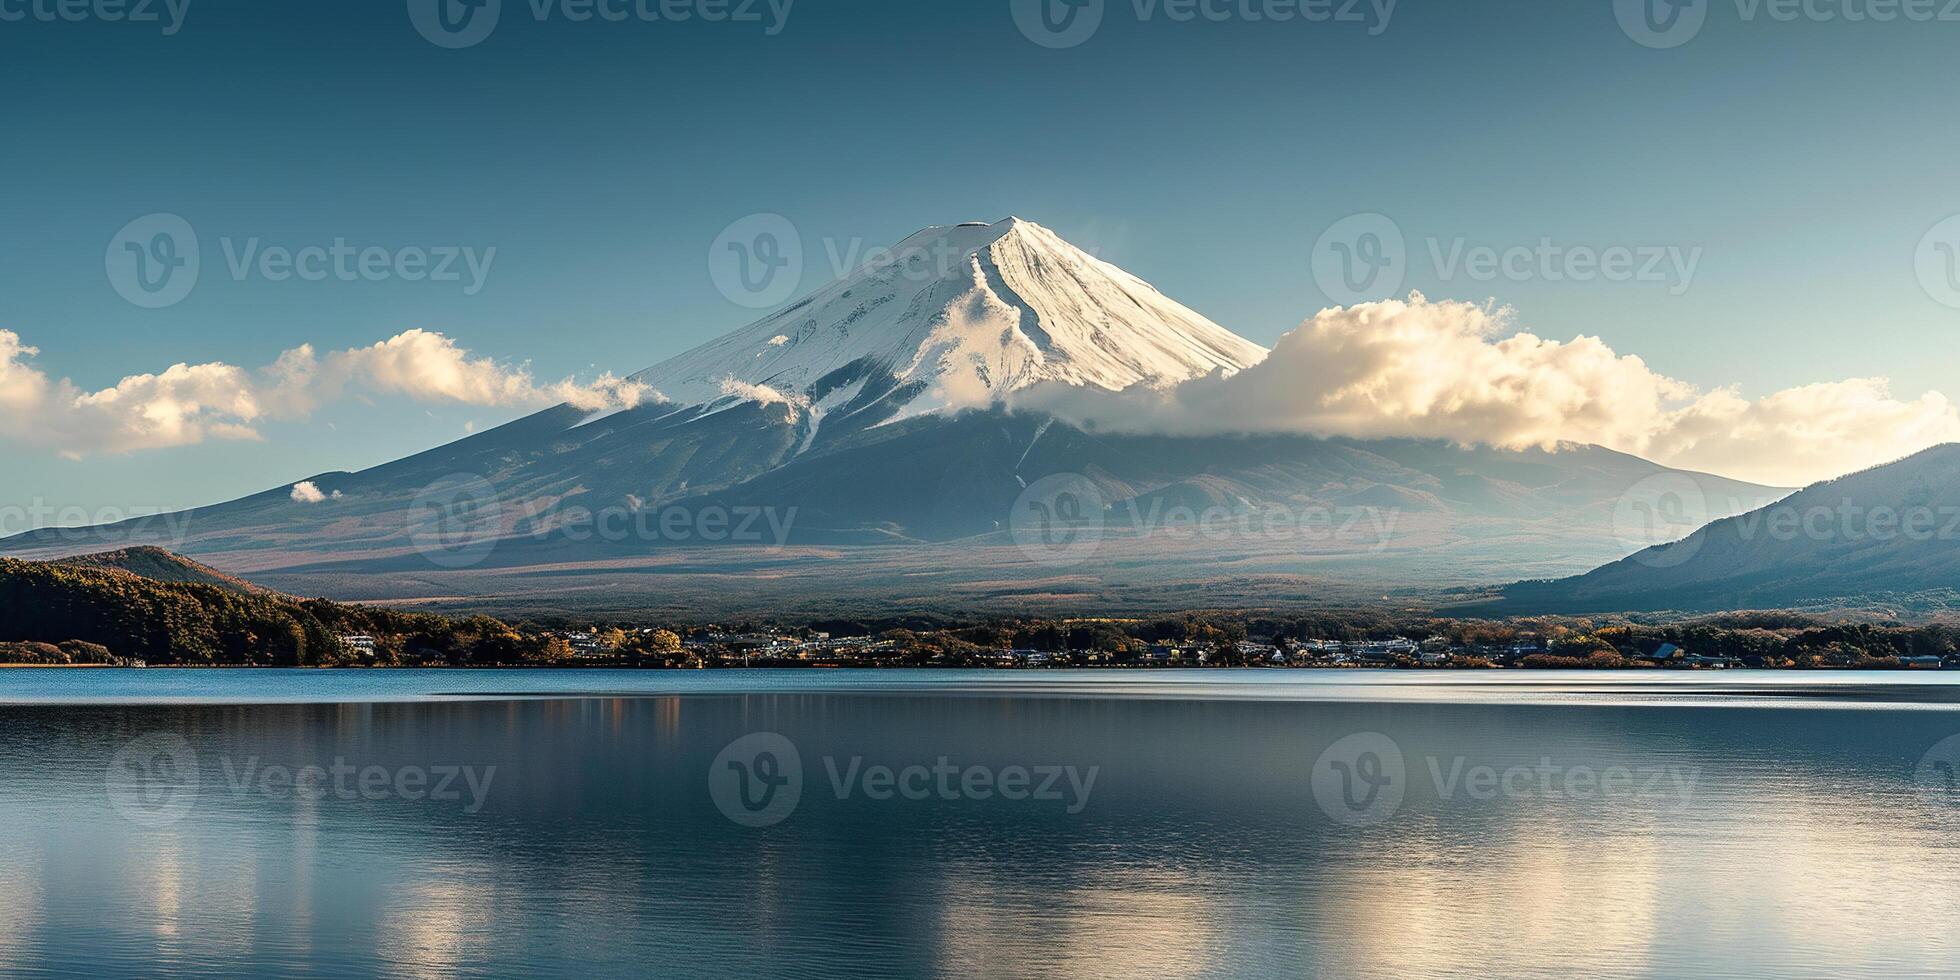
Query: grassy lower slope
[(159, 565)]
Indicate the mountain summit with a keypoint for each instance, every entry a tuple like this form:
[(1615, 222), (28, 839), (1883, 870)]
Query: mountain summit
[(957, 316)]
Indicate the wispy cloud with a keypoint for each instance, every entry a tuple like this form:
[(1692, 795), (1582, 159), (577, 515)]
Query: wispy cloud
[(735, 388)]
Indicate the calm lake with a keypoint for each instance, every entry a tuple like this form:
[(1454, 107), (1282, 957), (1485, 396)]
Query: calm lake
[(978, 824)]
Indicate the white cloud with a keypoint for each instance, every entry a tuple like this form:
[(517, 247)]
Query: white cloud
[(183, 404), (765, 395), (1391, 369), (307, 492), (1461, 371), (430, 367), (187, 404)]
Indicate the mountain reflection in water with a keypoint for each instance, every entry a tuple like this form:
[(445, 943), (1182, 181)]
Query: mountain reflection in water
[(1211, 839)]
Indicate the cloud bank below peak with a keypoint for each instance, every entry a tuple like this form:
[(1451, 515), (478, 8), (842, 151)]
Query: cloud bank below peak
[(187, 404), (1461, 371)]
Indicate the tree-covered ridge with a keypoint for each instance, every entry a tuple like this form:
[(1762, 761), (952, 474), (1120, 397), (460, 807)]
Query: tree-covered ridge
[(192, 623), (68, 653), (159, 565)]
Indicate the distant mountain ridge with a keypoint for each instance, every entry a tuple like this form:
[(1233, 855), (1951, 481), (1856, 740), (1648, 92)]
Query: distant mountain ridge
[(1892, 530), (872, 415)]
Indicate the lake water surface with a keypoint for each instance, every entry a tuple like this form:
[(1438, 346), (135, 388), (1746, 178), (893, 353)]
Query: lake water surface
[(978, 824)]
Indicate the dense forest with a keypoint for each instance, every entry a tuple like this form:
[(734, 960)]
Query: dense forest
[(1764, 639), (188, 623)]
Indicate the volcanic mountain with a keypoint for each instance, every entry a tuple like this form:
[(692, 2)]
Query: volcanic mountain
[(858, 444), (957, 317)]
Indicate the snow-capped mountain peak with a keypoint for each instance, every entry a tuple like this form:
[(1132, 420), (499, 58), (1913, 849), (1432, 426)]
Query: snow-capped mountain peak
[(958, 316)]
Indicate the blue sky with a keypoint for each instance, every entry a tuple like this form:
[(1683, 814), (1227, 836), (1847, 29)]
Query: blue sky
[(1803, 160)]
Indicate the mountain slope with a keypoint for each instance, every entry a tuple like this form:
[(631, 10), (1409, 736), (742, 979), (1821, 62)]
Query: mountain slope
[(948, 478), (1893, 530), (159, 565), (869, 415)]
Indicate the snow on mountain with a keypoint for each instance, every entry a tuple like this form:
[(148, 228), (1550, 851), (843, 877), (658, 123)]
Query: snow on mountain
[(953, 317)]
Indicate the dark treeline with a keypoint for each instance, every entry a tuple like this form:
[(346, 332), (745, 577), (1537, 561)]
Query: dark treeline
[(1765, 639), (195, 624), (65, 615)]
